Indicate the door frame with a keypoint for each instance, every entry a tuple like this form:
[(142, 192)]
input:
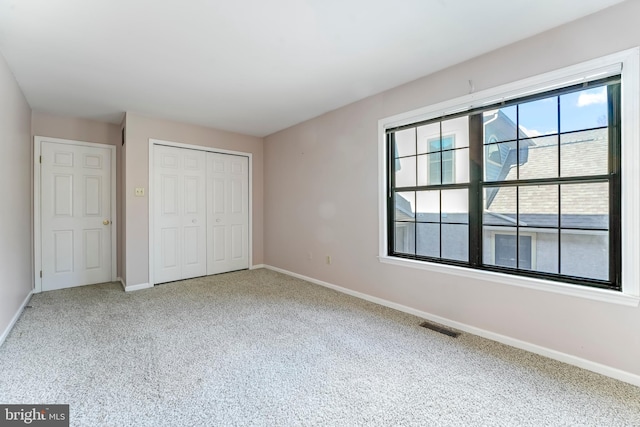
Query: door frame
[(151, 195), (37, 230)]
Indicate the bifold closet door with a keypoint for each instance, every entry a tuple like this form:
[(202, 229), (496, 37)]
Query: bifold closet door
[(180, 246), (227, 213)]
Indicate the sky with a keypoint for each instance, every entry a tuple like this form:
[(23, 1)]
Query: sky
[(578, 110)]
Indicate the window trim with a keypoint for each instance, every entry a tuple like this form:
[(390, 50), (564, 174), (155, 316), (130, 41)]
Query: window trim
[(626, 63)]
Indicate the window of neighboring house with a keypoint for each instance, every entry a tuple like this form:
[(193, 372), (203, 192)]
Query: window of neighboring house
[(505, 248), (441, 162), (546, 163)]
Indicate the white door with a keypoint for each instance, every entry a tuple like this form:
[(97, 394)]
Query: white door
[(75, 215), (179, 214), (227, 213)]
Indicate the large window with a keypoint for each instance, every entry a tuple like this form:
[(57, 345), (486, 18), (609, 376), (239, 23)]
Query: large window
[(529, 186)]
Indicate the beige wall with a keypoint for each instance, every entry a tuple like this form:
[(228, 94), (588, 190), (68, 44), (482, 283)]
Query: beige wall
[(16, 279), (43, 124), (138, 131), (321, 197)]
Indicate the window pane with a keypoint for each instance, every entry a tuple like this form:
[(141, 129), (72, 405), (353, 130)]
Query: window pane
[(458, 132), (428, 243), (455, 166), (500, 125), (455, 242), (585, 254), (538, 117), (500, 205), (448, 167), (585, 153), (406, 172), (584, 206), (429, 169), (500, 161), (544, 250), (584, 110), (524, 252), (404, 237), (539, 158), (455, 206), (405, 142), (405, 206), (538, 205), (427, 133), (428, 206)]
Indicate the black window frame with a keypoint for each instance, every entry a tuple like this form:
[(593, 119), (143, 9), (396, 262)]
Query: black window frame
[(476, 186)]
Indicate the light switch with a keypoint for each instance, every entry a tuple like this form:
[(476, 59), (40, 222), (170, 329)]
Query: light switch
[(139, 192)]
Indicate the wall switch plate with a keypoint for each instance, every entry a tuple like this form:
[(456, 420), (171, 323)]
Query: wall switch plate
[(139, 192)]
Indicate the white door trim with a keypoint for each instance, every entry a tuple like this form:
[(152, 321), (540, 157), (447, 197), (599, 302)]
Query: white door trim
[(153, 142), (37, 232)]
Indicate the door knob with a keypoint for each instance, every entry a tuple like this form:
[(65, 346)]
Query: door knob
[(106, 222)]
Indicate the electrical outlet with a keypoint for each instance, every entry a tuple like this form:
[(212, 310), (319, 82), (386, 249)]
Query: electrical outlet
[(139, 192)]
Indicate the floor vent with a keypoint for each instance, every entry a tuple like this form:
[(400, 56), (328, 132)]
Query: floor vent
[(439, 328)]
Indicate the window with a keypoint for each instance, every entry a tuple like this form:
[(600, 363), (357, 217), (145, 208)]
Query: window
[(437, 192), (477, 188)]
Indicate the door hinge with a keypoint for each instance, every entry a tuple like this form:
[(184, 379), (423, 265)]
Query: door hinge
[(40, 273), (40, 159)]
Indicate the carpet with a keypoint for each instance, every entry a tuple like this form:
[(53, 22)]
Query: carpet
[(259, 348)]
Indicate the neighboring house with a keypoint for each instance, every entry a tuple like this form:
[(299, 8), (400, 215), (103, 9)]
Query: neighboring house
[(584, 206), (502, 157), (585, 209)]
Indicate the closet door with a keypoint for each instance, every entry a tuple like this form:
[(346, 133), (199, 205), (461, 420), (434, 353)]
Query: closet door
[(180, 247), (227, 213)]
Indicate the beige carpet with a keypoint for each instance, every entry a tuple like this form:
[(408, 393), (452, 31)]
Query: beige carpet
[(261, 348)]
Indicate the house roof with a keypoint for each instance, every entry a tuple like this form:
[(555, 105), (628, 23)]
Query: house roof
[(582, 205)]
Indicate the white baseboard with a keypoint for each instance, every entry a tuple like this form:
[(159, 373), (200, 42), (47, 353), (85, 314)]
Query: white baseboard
[(15, 318), (599, 368), (132, 288), (257, 266), (137, 287)]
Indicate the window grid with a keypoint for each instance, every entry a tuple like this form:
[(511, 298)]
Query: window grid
[(475, 242), (416, 221)]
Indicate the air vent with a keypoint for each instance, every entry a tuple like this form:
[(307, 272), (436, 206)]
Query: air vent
[(441, 329)]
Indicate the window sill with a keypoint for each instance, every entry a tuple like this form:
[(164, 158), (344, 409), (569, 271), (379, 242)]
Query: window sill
[(602, 295)]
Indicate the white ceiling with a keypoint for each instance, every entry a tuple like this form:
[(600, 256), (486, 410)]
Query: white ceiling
[(249, 66)]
